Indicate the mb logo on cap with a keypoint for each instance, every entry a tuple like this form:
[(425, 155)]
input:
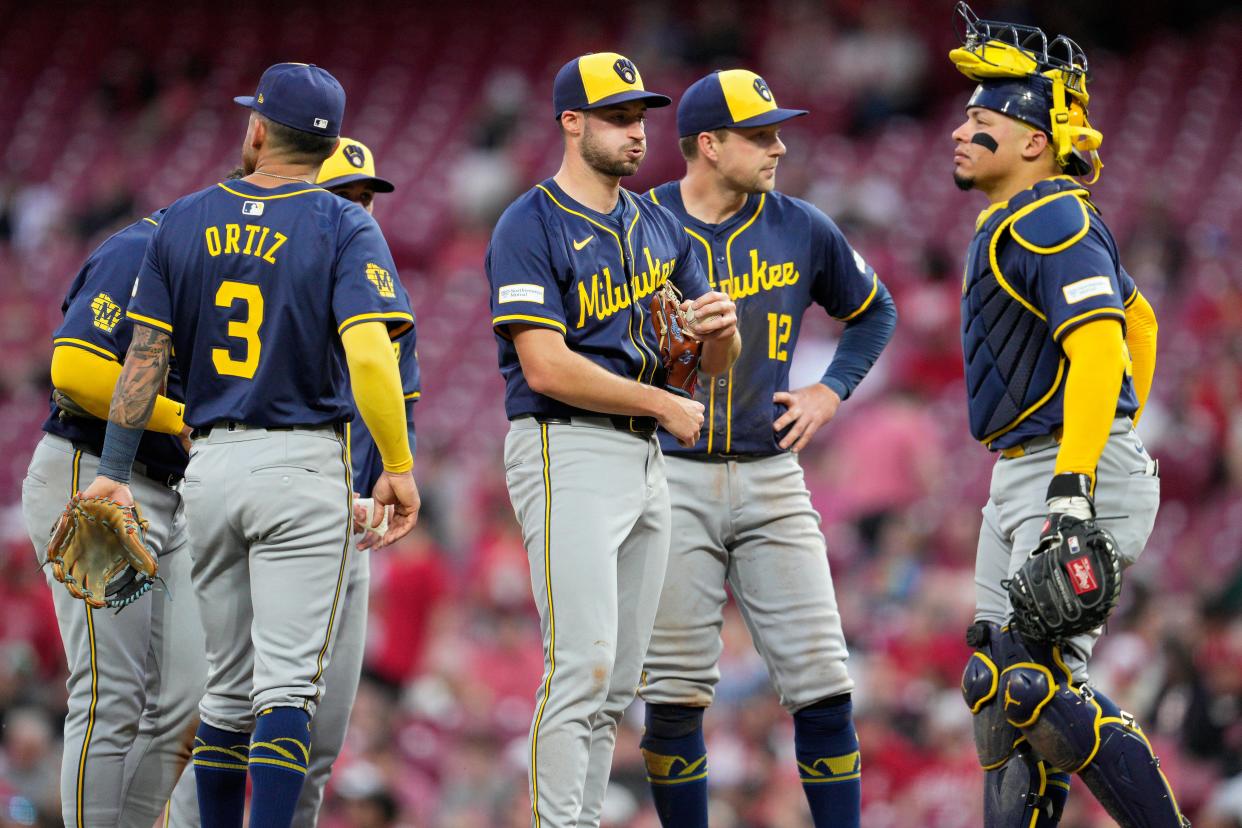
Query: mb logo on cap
[(600, 79), (731, 99), (624, 67)]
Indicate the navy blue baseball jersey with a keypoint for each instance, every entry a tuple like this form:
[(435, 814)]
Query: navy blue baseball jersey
[(555, 263), (94, 320), (774, 257), (1039, 266), (364, 456), (255, 287)]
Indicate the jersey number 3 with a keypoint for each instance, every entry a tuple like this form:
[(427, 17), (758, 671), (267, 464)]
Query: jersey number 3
[(247, 329), (779, 327)]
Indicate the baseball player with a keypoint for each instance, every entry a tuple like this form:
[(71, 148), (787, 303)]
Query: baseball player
[(757, 531), (572, 264), (1059, 350), (268, 287), (135, 677), (350, 173)]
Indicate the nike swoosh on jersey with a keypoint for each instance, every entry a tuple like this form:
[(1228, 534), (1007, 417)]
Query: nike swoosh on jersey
[(578, 245)]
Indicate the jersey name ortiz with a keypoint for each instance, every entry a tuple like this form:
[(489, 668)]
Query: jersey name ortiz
[(255, 287), (1039, 266), (557, 264)]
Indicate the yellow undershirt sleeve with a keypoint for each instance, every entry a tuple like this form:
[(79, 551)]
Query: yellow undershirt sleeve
[(1141, 340), (1097, 364), (89, 379), (376, 381)]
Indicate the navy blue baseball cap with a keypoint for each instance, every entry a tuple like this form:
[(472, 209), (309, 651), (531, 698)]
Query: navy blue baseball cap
[(600, 79), (299, 95), (734, 98)]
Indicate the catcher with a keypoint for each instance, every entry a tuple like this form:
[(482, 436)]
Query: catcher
[(1059, 352), (135, 677)]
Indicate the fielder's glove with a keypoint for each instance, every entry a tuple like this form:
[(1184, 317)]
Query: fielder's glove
[(66, 407), (1072, 581), (98, 551), (679, 350)]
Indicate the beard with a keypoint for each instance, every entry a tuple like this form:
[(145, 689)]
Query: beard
[(964, 183), (753, 183), (598, 159)]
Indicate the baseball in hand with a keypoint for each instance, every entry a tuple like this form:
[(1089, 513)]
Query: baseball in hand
[(693, 319)]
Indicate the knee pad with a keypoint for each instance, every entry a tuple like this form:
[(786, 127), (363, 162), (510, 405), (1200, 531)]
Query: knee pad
[(995, 737), (671, 721), (672, 744), (1021, 793), (1124, 774), (1058, 720), (825, 717)]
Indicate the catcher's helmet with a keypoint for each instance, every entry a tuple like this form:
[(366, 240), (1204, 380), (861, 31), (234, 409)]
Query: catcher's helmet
[(1039, 82), (1070, 585)]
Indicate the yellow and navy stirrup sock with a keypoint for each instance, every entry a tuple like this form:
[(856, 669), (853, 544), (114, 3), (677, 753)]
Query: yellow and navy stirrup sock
[(279, 754), (829, 763), (1055, 794), (220, 762), (676, 759)]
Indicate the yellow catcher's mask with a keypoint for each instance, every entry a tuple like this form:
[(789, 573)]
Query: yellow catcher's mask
[(1043, 84)]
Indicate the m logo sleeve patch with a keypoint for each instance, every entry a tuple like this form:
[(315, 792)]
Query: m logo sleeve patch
[(1086, 288), (520, 293), (106, 312), (381, 279)]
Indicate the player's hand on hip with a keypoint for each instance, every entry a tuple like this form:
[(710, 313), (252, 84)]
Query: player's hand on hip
[(712, 316), (184, 437), (111, 489), (806, 409), (682, 417), (399, 491)]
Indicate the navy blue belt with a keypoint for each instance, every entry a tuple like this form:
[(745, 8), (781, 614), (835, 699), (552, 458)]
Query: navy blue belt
[(203, 431), (640, 426), (167, 479)]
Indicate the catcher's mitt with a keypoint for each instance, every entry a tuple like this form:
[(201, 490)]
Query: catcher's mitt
[(679, 350), (98, 551), (1070, 585)]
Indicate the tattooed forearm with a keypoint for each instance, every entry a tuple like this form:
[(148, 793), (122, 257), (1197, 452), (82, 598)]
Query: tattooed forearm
[(146, 364)]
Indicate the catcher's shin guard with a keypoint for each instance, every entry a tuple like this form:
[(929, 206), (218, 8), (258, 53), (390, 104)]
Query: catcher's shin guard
[(995, 737), (1082, 731), (1020, 789), (1024, 793)]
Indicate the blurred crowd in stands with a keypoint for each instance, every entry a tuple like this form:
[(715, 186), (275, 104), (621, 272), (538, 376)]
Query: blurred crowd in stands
[(123, 112)]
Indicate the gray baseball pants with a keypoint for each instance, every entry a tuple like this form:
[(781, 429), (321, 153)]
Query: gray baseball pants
[(135, 676), (748, 524), (331, 721), (271, 521), (1127, 495), (593, 505)]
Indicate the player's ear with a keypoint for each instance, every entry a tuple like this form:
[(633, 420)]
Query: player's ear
[(573, 123), (257, 134), (709, 146), (1034, 144)]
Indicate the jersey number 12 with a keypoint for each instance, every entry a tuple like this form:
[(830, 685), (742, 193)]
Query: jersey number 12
[(779, 327), (247, 329)]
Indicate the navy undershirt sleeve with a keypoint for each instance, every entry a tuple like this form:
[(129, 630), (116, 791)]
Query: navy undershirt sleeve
[(861, 343)]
